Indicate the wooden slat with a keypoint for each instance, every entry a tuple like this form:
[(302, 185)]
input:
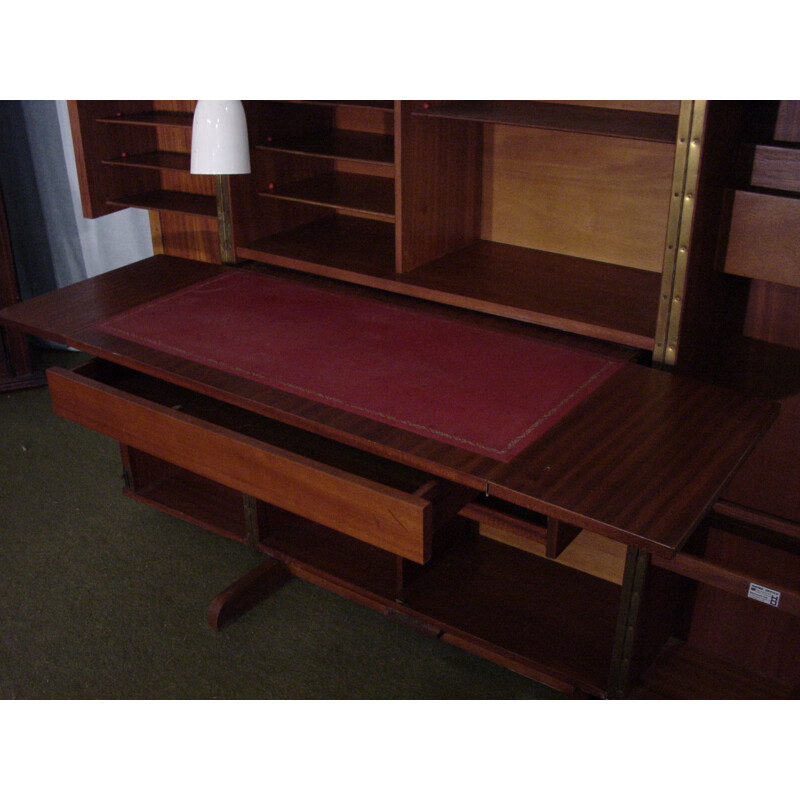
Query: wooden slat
[(773, 167), (731, 580), (150, 118), (763, 241), (154, 160)]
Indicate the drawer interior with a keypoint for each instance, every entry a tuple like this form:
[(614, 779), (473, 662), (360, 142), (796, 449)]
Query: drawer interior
[(254, 426)]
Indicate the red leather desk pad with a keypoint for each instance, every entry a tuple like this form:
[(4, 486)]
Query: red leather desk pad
[(488, 392)]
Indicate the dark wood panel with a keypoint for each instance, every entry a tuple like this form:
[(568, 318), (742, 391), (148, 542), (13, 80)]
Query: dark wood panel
[(60, 315), (346, 191), (549, 614), (748, 633), (772, 167), (339, 144), (787, 123), (439, 188), (683, 672), (335, 246), (763, 242), (639, 459)]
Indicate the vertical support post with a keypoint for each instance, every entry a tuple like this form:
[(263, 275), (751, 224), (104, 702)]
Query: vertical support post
[(227, 250), (252, 521), (636, 566)]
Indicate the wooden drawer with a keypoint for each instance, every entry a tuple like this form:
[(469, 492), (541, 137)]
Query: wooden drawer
[(369, 498)]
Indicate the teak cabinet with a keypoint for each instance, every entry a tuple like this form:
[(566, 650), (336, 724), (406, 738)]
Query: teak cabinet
[(608, 558)]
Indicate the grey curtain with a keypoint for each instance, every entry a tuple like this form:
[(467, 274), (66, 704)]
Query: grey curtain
[(53, 244)]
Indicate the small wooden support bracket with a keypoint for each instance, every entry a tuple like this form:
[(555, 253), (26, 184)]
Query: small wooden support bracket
[(559, 535), (246, 592)]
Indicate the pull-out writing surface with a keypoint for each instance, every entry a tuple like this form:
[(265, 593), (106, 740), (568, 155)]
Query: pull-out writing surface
[(488, 392), (641, 459)]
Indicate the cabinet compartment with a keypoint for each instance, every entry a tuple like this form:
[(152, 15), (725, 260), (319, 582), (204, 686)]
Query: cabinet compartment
[(743, 636), (384, 504), (136, 154), (323, 172), (483, 206), (141, 157)]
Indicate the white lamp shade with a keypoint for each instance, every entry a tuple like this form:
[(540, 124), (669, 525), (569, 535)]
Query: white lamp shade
[(219, 138)]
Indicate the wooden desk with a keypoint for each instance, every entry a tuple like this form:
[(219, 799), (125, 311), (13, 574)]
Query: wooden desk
[(641, 461)]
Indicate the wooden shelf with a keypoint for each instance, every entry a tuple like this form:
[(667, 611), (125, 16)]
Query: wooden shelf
[(605, 301), (562, 117), (179, 162), (160, 200), (373, 148), (348, 248), (176, 119), (683, 672), (382, 105), (353, 193)]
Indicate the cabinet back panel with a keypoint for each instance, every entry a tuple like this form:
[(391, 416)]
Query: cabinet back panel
[(592, 197), (189, 237), (366, 120)]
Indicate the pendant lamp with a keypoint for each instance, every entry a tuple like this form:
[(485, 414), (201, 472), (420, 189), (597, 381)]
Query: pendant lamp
[(219, 138)]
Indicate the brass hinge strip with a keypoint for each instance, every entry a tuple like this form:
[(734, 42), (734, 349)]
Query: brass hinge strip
[(691, 125)]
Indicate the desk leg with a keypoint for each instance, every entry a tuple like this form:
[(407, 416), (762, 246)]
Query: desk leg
[(652, 611), (257, 584), (247, 592)]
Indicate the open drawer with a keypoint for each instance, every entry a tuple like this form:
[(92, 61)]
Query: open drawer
[(364, 496)]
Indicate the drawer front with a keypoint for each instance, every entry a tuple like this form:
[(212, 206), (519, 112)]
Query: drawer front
[(380, 515)]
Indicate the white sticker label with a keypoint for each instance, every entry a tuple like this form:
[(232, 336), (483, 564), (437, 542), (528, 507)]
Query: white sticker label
[(764, 595)]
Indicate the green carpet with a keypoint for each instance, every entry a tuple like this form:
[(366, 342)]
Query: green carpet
[(101, 597)]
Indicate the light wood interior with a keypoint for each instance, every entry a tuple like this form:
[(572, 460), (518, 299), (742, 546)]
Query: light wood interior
[(605, 199)]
